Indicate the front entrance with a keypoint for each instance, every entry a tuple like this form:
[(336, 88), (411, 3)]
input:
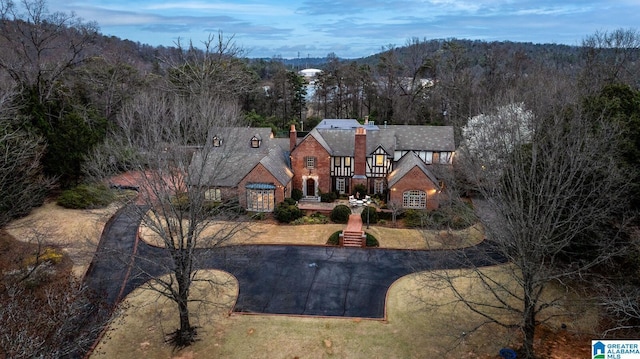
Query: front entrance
[(311, 187)]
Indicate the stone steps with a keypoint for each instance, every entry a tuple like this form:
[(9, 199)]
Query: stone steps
[(353, 236), (352, 239)]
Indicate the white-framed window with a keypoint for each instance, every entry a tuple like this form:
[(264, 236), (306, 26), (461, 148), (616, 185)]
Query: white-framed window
[(414, 199), (347, 161), (341, 185), (217, 141), (378, 186), (310, 162), (213, 194)]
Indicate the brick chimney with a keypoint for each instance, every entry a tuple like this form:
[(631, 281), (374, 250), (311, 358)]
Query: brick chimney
[(293, 137), (360, 153)]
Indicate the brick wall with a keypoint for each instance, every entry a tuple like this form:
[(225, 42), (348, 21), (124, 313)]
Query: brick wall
[(311, 147), (415, 179), (260, 174)]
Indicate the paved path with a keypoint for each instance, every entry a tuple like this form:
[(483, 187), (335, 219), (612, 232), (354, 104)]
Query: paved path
[(304, 280)]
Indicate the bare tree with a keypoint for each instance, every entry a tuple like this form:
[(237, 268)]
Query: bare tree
[(544, 208), (610, 58), (22, 184), (216, 70), (46, 312), (39, 46), (179, 139)]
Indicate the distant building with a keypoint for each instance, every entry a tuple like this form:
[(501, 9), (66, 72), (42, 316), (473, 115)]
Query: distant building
[(309, 73)]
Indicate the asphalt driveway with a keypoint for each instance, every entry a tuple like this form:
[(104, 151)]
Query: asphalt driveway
[(275, 279)]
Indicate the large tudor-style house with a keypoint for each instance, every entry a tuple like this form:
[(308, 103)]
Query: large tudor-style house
[(395, 161)]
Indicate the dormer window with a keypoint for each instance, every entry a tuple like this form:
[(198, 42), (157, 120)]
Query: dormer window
[(217, 141), (255, 142)]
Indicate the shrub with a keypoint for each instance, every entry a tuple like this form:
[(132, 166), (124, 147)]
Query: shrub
[(211, 207), (86, 196), (414, 218), (286, 213), (180, 201), (328, 197), (340, 213), (296, 194), (360, 190), (373, 215), (457, 216), (50, 255), (371, 241), (334, 239), (290, 201), (315, 218), (258, 216)]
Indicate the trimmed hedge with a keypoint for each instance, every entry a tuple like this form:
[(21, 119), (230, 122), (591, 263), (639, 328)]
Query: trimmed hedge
[(373, 215), (340, 213)]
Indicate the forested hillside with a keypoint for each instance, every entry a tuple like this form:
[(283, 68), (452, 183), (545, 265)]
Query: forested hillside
[(65, 90)]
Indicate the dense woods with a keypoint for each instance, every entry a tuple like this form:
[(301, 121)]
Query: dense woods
[(65, 89)]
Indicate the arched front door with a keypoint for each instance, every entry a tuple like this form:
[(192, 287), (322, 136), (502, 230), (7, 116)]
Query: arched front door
[(311, 187)]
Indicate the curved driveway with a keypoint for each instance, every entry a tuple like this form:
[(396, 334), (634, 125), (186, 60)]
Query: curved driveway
[(304, 280)]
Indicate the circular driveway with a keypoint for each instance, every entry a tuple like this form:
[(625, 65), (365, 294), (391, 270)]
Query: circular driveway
[(277, 279)]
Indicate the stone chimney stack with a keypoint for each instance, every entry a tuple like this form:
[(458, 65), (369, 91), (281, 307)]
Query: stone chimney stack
[(293, 137), (360, 153)]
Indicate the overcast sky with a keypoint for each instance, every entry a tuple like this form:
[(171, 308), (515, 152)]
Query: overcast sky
[(352, 28)]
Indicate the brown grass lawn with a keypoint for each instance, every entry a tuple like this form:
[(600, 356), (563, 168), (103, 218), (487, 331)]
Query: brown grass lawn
[(415, 327), (420, 324), (77, 232)]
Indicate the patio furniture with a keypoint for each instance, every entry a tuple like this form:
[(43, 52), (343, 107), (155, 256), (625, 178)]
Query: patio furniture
[(352, 201)]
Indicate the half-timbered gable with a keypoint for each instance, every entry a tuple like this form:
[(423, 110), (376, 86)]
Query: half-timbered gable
[(379, 163), (432, 144), (364, 154), (341, 141)]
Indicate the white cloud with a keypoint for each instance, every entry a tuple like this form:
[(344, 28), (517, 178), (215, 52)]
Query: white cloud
[(353, 28)]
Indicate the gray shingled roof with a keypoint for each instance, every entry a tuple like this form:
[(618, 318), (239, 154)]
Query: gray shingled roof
[(315, 133), (277, 163), (405, 164), (340, 142), (228, 164), (429, 138)]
